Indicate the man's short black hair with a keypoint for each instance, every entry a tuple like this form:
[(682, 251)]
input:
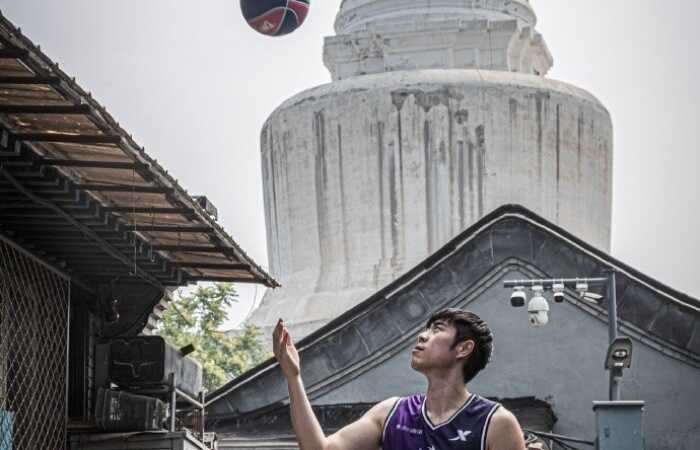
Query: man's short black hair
[(469, 326)]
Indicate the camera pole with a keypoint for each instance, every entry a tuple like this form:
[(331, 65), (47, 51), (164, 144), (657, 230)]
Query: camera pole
[(615, 374), (611, 297)]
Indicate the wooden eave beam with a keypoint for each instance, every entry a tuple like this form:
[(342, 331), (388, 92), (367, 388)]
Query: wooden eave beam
[(169, 228), (193, 248), (13, 53), (148, 210), (125, 188), (45, 109), (89, 164), (50, 80), (86, 139), (253, 279), (211, 266)]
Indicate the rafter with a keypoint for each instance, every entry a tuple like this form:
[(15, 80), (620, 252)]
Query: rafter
[(193, 248), (51, 80), (86, 139), (124, 188), (212, 266), (45, 109), (13, 53), (148, 210), (169, 228), (89, 164)]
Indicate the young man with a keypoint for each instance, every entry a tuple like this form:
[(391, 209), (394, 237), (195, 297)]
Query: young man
[(454, 346)]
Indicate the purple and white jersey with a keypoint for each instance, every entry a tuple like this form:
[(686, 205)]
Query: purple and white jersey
[(408, 426)]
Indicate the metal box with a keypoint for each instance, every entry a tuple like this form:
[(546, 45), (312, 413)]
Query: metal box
[(619, 425)]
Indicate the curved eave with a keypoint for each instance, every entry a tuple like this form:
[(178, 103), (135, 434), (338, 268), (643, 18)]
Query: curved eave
[(60, 147)]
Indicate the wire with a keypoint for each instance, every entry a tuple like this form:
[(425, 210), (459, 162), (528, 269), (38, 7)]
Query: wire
[(560, 439), (561, 436)]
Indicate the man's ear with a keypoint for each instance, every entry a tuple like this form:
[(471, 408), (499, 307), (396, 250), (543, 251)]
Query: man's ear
[(465, 348)]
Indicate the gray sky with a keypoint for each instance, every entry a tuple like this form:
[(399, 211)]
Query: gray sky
[(194, 84)]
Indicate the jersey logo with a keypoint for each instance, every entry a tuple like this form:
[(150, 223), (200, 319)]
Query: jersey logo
[(461, 435)]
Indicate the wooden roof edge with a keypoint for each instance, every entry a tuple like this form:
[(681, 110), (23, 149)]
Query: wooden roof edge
[(128, 145)]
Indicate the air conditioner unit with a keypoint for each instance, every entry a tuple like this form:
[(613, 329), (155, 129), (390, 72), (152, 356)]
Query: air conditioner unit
[(146, 363), (122, 411)]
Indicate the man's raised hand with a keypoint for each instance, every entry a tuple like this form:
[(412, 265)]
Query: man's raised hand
[(285, 351)]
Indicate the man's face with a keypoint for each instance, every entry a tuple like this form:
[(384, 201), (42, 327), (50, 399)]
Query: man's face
[(434, 348)]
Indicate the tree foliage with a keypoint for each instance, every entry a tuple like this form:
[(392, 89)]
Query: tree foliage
[(196, 317)]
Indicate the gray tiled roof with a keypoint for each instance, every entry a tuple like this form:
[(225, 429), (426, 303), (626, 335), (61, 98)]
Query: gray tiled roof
[(509, 237)]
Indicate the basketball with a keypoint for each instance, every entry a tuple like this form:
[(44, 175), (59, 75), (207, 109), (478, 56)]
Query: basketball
[(275, 17)]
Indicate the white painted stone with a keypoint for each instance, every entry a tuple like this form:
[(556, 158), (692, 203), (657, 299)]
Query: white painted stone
[(366, 176), (388, 35)]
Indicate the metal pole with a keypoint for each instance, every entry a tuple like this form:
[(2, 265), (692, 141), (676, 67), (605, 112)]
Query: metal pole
[(173, 401), (614, 388), (201, 415)]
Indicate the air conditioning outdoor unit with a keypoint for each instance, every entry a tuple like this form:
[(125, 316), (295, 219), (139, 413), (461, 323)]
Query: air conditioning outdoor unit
[(121, 411), (146, 363)]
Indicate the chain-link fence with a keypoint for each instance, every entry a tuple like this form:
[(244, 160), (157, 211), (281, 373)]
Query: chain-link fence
[(33, 323)]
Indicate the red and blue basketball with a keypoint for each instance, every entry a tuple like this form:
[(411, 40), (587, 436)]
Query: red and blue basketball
[(275, 17)]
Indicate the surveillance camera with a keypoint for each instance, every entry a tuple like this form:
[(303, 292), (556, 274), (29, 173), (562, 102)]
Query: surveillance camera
[(538, 309), (539, 319), (558, 292), (518, 297)]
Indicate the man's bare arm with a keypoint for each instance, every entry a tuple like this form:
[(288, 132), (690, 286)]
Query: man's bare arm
[(363, 434), (366, 432), (504, 432)]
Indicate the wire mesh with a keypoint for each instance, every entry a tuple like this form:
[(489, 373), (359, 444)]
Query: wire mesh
[(33, 343)]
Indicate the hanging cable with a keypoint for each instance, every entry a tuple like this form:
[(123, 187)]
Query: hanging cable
[(133, 213)]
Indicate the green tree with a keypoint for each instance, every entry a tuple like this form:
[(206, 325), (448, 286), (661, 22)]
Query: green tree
[(196, 317)]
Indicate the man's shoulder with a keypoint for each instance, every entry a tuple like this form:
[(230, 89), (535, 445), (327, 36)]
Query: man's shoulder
[(504, 430), (388, 404), (503, 416), (381, 411)]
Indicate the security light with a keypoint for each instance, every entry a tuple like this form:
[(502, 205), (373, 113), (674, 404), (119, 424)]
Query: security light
[(619, 354)]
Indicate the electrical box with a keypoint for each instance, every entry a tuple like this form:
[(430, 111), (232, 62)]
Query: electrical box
[(619, 425)]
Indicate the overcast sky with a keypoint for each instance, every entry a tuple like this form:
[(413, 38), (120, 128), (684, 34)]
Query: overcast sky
[(194, 84)]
